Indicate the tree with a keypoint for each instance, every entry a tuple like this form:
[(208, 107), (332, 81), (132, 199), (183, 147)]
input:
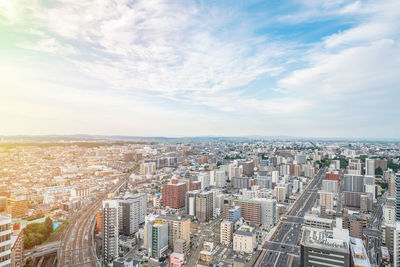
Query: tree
[(378, 171)]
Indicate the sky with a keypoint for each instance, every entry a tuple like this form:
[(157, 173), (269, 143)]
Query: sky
[(196, 68)]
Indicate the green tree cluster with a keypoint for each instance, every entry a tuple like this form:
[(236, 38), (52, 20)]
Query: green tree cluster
[(37, 233), (378, 171)]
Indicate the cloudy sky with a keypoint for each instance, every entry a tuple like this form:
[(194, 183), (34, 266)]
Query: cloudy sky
[(193, 68)]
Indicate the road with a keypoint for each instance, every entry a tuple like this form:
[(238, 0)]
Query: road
[(206, 233), (284, 243), (77, 248)]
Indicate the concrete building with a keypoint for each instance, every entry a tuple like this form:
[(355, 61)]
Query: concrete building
[(353, 183), (234, 214), (244, 239), (268, 212), (280, 193), (177, 259), (369, 167), (354, 224), (191, 197), (125, 262), (110, 229), (239, 182), (220, 178), (326, 199), (204, 179), (178, 228), (325, 248), (251, 210), (330, 186), (389, 214), (132, 213), (397, 194), (5, 244), (17, 248), (156, 238), (204, 206), (173, 195), (226, 233), (317, 222), (17, 207), (181, 246), (359, 256)]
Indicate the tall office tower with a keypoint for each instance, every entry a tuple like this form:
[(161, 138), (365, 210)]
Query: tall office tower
[(275, 176), (178, 228), (132, 212), (391, 178), (280, 193), (324, 247), (220, 178), (353, 183), (369, 167), (248, 167), (268, 214), (219, 203), (212, 178), (239, 182), (284, 170), (204, 178), (173, 195), (156, 238), (191, 197), (226, 233), (204, 206), (330, 186), (110, 229), (397, 194), (234, 170), (264, 181), (5, 237), (251, 210)]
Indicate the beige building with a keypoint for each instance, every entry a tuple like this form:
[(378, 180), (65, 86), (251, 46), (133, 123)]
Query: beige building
[(178, 228), (17, 208), (226, 233), (280, 193), (244, 239)]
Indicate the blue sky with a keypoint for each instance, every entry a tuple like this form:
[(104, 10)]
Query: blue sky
[(194, 68)]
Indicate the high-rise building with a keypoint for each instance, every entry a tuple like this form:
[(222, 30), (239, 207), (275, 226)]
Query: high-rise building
[(226, 233), (156, 238), (17, 248), (17, 207), (268, 212), (191, 197), (132, 212), (5, 238), (204, 206), (178, 228), (251, 210), (330, 186), (173, 195), (397, 194), (324, 247), (326, 199), (204, 178), (353, 183), (369, 167), (354, 224), (220, 178), (280, 193), (234, 170), (239, 182), (109, 231)]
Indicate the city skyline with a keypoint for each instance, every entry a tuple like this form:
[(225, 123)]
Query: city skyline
[(150, 68)]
